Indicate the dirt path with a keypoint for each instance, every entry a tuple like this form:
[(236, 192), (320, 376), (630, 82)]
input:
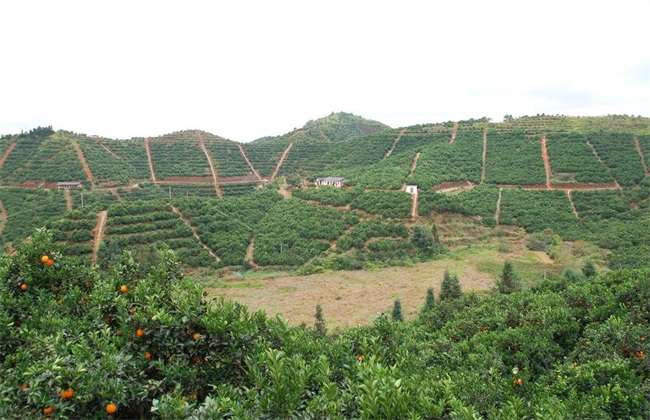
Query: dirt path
[(250, 252), (282, 158), (413, 166), (454, 133), (106, 148), (399, 136), (547, 162), (82, 159), (414, 206), (3, 217), (497, 213), (241, 149), (485, 131), (284, 192), (573, 206), (99, 234), (639, 150), (212, 169), (7, 152), (68, 200), (146, 146), (327, 139), (116, 194), (195, 233), (593, 149)]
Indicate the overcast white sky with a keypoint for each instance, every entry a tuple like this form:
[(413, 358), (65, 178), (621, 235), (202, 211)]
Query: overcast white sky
[(247, 69)]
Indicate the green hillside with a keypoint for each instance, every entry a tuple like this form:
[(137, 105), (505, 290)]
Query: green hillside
[(583, 178)]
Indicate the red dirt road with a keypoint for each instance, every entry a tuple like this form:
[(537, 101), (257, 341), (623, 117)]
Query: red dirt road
[(547, 162), (212, 169), (6, 155)]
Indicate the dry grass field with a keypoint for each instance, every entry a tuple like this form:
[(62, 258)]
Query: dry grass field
[(351, 298)]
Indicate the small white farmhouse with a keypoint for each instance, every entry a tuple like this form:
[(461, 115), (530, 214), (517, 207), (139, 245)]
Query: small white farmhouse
[(334, 181), (412, 189)]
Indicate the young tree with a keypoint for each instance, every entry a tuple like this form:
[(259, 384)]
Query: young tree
[(509, 281), (397, 311), (429, 301), (589, 269), (450, 288), (319, 325), (426, 239)]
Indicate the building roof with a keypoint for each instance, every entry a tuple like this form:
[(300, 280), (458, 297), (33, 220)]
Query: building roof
[(68, 183), (332, 179)]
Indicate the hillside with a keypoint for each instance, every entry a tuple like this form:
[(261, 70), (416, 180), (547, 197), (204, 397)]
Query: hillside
[(583, 178)]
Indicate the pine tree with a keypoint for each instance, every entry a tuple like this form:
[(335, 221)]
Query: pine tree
[(589, 269), (450, 288), (319, 325), (509, 281), (429, 301), (397, 311)]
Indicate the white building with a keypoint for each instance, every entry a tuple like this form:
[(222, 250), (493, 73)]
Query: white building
[(412, 189), (334, 181)]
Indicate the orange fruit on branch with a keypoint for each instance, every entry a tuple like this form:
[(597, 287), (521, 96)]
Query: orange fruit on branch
[(48, 410), (45, 259), (50, 263), (196, 336), (111, 408), (23, 287), (66, 394), (139, 332), (124, 288)]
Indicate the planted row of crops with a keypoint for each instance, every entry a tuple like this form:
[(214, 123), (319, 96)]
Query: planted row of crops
[(618, 152), (28, 209), (361, 233), (536, 210), (479, 201), (179, 190), (150, 224), (132, 154), (235, 190), (390, 173), (41, 155), (514, 158), (389, 204), (75, 231), (304, 158), (331, 196), (573, 161), (178, 155), (264, 156), (226, 156), (227, 226), (105, 166)]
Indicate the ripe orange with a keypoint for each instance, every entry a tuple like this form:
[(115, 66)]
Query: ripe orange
[(66, 394), (139, 332), (518, 382), (45, 259), (23, 287), (196, 336), (124, 288), (111, 408), (50, 263), (147, 355), (48, 410)]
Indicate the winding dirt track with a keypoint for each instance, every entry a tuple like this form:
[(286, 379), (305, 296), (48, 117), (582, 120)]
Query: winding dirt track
[(573, 206), (7, 152), (99, 234), (485, 131), (250, 252), (241, 149), (3, 217), (497, 213), (195, 233), (212, 170), (399, 136), (106, 148), (547, 162), (82, 159), (282, 158), (68, 200), (146, 146), (639, 150), (454, 133)]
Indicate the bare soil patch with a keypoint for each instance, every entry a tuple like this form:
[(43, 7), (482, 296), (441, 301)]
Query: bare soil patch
[(82, 159), (99, 234)]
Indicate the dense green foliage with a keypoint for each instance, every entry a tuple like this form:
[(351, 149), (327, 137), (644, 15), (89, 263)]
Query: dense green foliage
[(619, 154), (565, 349), (178, 155), (573, 161), (395, 205), (514, 158)]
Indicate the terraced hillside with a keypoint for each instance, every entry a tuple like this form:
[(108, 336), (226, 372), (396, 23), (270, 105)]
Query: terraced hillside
[(585, 178)]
